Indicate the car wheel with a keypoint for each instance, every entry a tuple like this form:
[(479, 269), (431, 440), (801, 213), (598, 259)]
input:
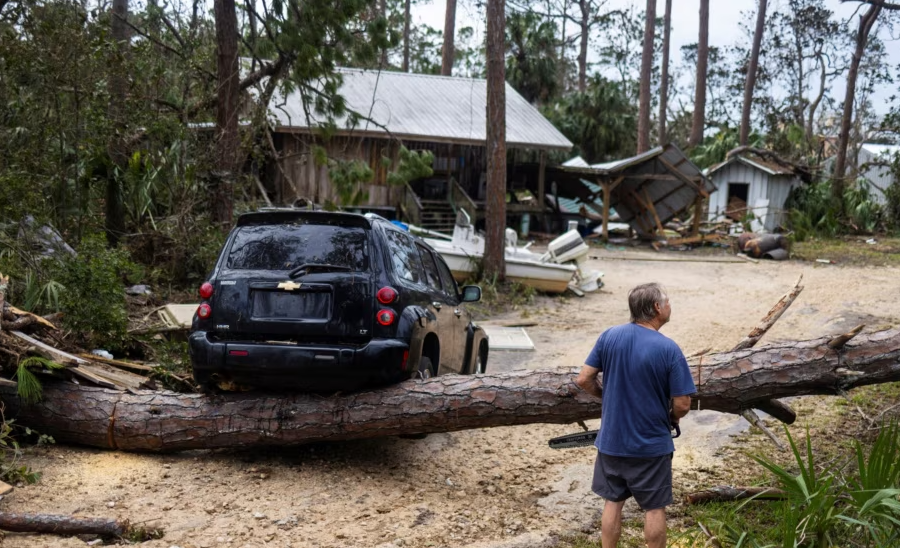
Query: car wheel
[(478, 364), (426, 370)]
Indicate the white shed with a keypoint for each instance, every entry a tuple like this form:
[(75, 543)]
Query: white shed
[(747, 183), (872, 158)]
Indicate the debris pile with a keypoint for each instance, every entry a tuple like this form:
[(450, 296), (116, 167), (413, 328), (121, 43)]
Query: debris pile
[(764, 246)]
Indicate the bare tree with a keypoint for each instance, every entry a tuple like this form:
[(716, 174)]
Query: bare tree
[(118, 143), (698, 120), (664, 76), (753, 66), (495, 214), (588, 17), (227, 138), (643, 140), (447, 54), (866, 22)]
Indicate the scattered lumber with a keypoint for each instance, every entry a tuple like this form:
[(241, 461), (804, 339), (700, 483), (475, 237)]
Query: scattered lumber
[(64, 525), (726, 493), (730, 382)]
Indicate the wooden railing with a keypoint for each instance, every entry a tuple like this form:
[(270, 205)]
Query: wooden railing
[(460, 200), (410, 206)]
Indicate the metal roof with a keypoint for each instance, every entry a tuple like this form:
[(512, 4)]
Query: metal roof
[(663, 177), (753, 161), (423, 107), (878, 150)]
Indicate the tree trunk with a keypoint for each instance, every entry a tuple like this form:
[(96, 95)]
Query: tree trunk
[(664, 75), (584, 23), (750, 82), (382, 12), (62, 525), (643, 138), (814, 105), (866, 22), (117, 83), (447, 53), (698, 120), (406, 16), (730, 382), (495, 214), (228, 140)]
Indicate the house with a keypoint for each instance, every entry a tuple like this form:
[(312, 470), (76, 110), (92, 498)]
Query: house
[(445, 115), (874, 166), (749, 185)]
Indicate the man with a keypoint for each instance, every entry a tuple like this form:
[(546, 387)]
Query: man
[(643, 370)]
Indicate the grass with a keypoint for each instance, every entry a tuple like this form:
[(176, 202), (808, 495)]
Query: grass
[(850, 250)]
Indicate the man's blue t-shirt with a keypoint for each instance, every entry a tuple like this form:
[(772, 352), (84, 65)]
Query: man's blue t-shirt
[(642, 370)]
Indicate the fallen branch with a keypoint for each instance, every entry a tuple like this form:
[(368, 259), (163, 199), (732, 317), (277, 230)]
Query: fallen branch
[(754, 419), (726, 493), (71, 525), (140, 420)]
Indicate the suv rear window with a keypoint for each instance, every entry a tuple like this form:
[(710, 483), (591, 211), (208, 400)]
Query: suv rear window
[(283, 247)]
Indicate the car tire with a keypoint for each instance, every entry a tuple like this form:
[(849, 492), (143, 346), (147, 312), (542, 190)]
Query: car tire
[(426, 369), (479, 363)]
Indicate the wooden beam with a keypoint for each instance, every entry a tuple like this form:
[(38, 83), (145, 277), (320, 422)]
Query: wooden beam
[(684, 178), (641, 209), (542, 176), (654, 177), (652, 208), (698, 212), (607, 192)]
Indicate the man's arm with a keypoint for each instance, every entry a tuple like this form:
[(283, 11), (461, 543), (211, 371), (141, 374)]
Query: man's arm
[(680, 407), (588, 380)]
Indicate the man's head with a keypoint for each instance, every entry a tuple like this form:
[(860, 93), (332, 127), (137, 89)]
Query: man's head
[(649, 304)]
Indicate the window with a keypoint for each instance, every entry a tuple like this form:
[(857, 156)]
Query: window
[(434, 279), (284, 247), (450, 287), (407, 265)]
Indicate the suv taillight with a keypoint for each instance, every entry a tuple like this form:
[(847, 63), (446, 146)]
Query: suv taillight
[(204, 311), (385, 317), (206, 290), (386, 295)]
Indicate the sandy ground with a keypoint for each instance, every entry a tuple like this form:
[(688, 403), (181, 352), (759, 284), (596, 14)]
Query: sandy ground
[(489, 488)]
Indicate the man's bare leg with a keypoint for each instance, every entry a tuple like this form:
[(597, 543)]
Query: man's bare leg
[(611, 523), (654, 528)]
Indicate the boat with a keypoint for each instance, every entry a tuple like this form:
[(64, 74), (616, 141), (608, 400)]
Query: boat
[(553, 272)]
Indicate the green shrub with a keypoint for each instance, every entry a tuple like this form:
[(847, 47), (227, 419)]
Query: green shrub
[(93, 301)]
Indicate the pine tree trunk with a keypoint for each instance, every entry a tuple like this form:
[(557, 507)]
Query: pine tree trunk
[(730, 382), (117, 83), (406, 23), (643, 138), (495, 214), (583, 43), (382, 12), (664, 76), (752, 68), (698, 120), (448, 52), (228, 140), (866, 22)]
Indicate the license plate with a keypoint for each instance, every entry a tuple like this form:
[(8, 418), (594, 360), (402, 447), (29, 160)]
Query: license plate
[(283, 305)]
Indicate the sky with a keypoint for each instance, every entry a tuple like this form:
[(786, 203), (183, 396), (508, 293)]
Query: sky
[(724, 19)]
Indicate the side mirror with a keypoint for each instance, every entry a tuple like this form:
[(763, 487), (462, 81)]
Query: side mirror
[(471, 294)]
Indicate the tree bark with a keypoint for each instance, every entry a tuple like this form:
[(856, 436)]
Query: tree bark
[(730, 382), (643, 138), (228, 139), (664, 75), (584, 24), (117, 83), (726, 493), (698, 120), (406, 17), (448, 52), (752, 69), (495, 213), (866, 22)]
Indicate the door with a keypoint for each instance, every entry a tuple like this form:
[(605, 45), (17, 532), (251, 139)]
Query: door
[(461, 316), (445, 311)]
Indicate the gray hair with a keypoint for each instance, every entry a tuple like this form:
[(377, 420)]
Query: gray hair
[(641, 301)]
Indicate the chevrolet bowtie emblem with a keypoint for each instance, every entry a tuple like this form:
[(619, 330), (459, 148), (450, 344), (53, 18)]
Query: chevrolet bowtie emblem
[(289, 286)]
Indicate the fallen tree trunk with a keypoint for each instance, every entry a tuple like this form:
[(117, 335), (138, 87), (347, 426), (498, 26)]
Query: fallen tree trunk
[(164, 421), (726, 493), (62, 525)]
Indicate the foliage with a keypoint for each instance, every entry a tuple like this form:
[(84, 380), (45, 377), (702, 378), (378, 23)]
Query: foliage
[(93, 303), (812, 212), (11, 469), (714, 148), (531, 66), (601, 122), (29, 388)]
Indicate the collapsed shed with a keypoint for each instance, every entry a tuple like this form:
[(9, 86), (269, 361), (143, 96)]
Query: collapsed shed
[(646, 190)]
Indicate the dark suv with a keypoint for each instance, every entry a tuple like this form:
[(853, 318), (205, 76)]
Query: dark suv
[(322, 301)]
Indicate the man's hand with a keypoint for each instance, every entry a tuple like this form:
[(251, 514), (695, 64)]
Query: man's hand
[(587, 380)]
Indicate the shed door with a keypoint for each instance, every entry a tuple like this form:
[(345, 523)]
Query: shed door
[(736, 206)]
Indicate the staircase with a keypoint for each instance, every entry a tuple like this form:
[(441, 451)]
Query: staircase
[(438, 215)]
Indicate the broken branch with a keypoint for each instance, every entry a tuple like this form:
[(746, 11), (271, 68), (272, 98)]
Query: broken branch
[(726, 493)]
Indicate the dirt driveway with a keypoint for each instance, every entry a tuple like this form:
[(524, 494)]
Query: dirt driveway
[(491, 487)]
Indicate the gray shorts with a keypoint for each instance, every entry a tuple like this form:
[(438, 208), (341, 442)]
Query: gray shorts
[(648, 480)]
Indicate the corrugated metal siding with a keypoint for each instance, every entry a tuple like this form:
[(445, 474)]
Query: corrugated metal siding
[(879, 176), (761, 186), (779, 189), (426, 107)]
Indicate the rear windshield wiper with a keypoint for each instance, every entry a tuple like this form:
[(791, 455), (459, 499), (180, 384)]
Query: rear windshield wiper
[(305, 267)]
